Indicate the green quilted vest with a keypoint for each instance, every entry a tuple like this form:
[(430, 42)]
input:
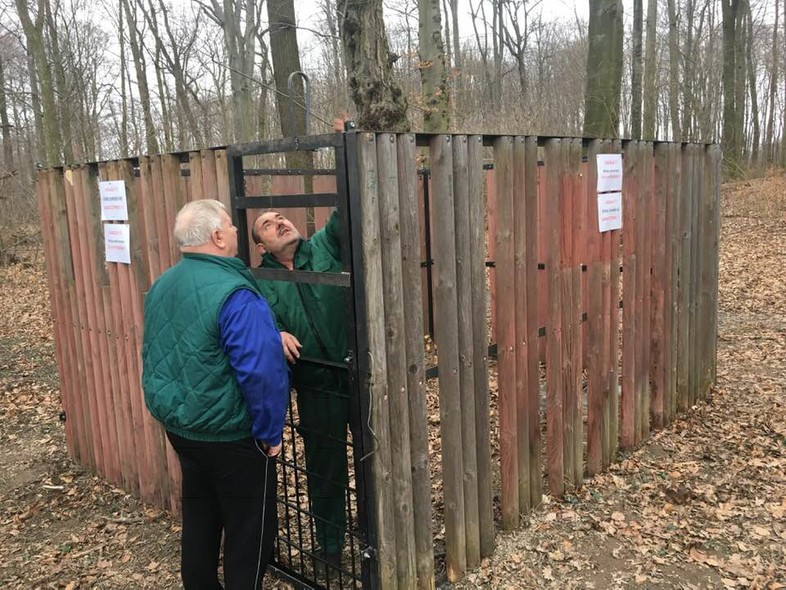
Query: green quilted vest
[(188, 383)]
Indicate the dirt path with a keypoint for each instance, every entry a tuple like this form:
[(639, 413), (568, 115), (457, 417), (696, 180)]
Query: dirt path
[(702, 505)]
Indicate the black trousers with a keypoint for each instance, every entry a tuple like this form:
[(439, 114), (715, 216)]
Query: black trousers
[(228, 487)]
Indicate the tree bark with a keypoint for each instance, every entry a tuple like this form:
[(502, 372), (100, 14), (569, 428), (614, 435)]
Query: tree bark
[(285, 56), (635, 90), (604, 69), (674, 72), (754, 96), (688, 70), (769, 146), (731, 114), (140, 68), (241, 54), (381, 104), (34, 33), (433, 73), (5, 126), (650, 67)]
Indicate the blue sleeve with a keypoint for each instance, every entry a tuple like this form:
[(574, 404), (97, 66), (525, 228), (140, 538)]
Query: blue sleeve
[(253, 344)]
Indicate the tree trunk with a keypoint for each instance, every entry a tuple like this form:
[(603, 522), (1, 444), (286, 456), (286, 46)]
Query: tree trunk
[(286, 59), (140, 68), (34, 33), (123, 98), (769, 146), (783, 125), (8, 148), (433, 73), (674, 73), (752, 86), (64, 102), (454, 17), (650, 67), (731, 140), (241, 54), (604, 69), (163, 99), (381, 104), (688, 72), (635, 84)]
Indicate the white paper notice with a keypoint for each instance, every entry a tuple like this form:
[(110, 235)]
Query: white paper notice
[(113, 200), (117, 242), (609, 211), (609, 172)]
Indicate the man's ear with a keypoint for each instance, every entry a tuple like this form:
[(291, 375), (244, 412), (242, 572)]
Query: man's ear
[(261, 249)]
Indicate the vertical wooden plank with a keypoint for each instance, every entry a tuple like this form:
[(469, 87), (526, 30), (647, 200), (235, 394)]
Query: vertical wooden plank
[(615, 353), (323, 184), (629, 307), (595, 332), (660, 284), (520, 305), (197, 191), (415, 362), (51, 246), (646, 241), (696, 242), (609, 307), (543, 277), (222, 179), (395, 353), (209, 179), (533, 289), (713, 160), (683, 398), (550, 225), (448, 351), (378, 388), (492, 177), (675, 237), (462, 228), (147, 208), (505, 330), (570, 335), (162, 215), (174, 198), (576, 184), (477, 254)]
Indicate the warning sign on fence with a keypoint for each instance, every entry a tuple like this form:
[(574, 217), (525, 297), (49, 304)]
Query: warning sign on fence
[(609, 211), (609, 172), (117, 242), (113, 200)]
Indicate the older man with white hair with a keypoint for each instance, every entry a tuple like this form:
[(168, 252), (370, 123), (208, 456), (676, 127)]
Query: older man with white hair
[(214, 375)]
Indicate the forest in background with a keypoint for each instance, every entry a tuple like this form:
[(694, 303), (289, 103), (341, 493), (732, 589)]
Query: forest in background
[(89, 81)]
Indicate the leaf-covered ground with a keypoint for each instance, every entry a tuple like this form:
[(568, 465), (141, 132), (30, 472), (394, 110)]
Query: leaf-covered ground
[(701, 505)]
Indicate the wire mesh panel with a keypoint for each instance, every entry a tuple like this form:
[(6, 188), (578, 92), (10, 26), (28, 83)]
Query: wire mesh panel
[(323, 532)]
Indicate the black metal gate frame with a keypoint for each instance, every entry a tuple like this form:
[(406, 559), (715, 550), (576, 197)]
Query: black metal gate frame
[(346, 199)]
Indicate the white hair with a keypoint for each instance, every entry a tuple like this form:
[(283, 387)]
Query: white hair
[(196, 222)]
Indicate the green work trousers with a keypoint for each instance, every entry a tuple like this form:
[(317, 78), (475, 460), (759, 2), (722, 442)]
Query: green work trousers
[(323, 419)]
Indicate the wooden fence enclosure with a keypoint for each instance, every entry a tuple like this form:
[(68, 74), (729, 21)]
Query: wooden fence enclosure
[(598, 337)]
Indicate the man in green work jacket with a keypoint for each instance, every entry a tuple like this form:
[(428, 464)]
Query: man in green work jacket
[(312, 323)]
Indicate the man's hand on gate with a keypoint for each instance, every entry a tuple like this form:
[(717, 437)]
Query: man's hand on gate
[(273, 451), (291, 346)]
